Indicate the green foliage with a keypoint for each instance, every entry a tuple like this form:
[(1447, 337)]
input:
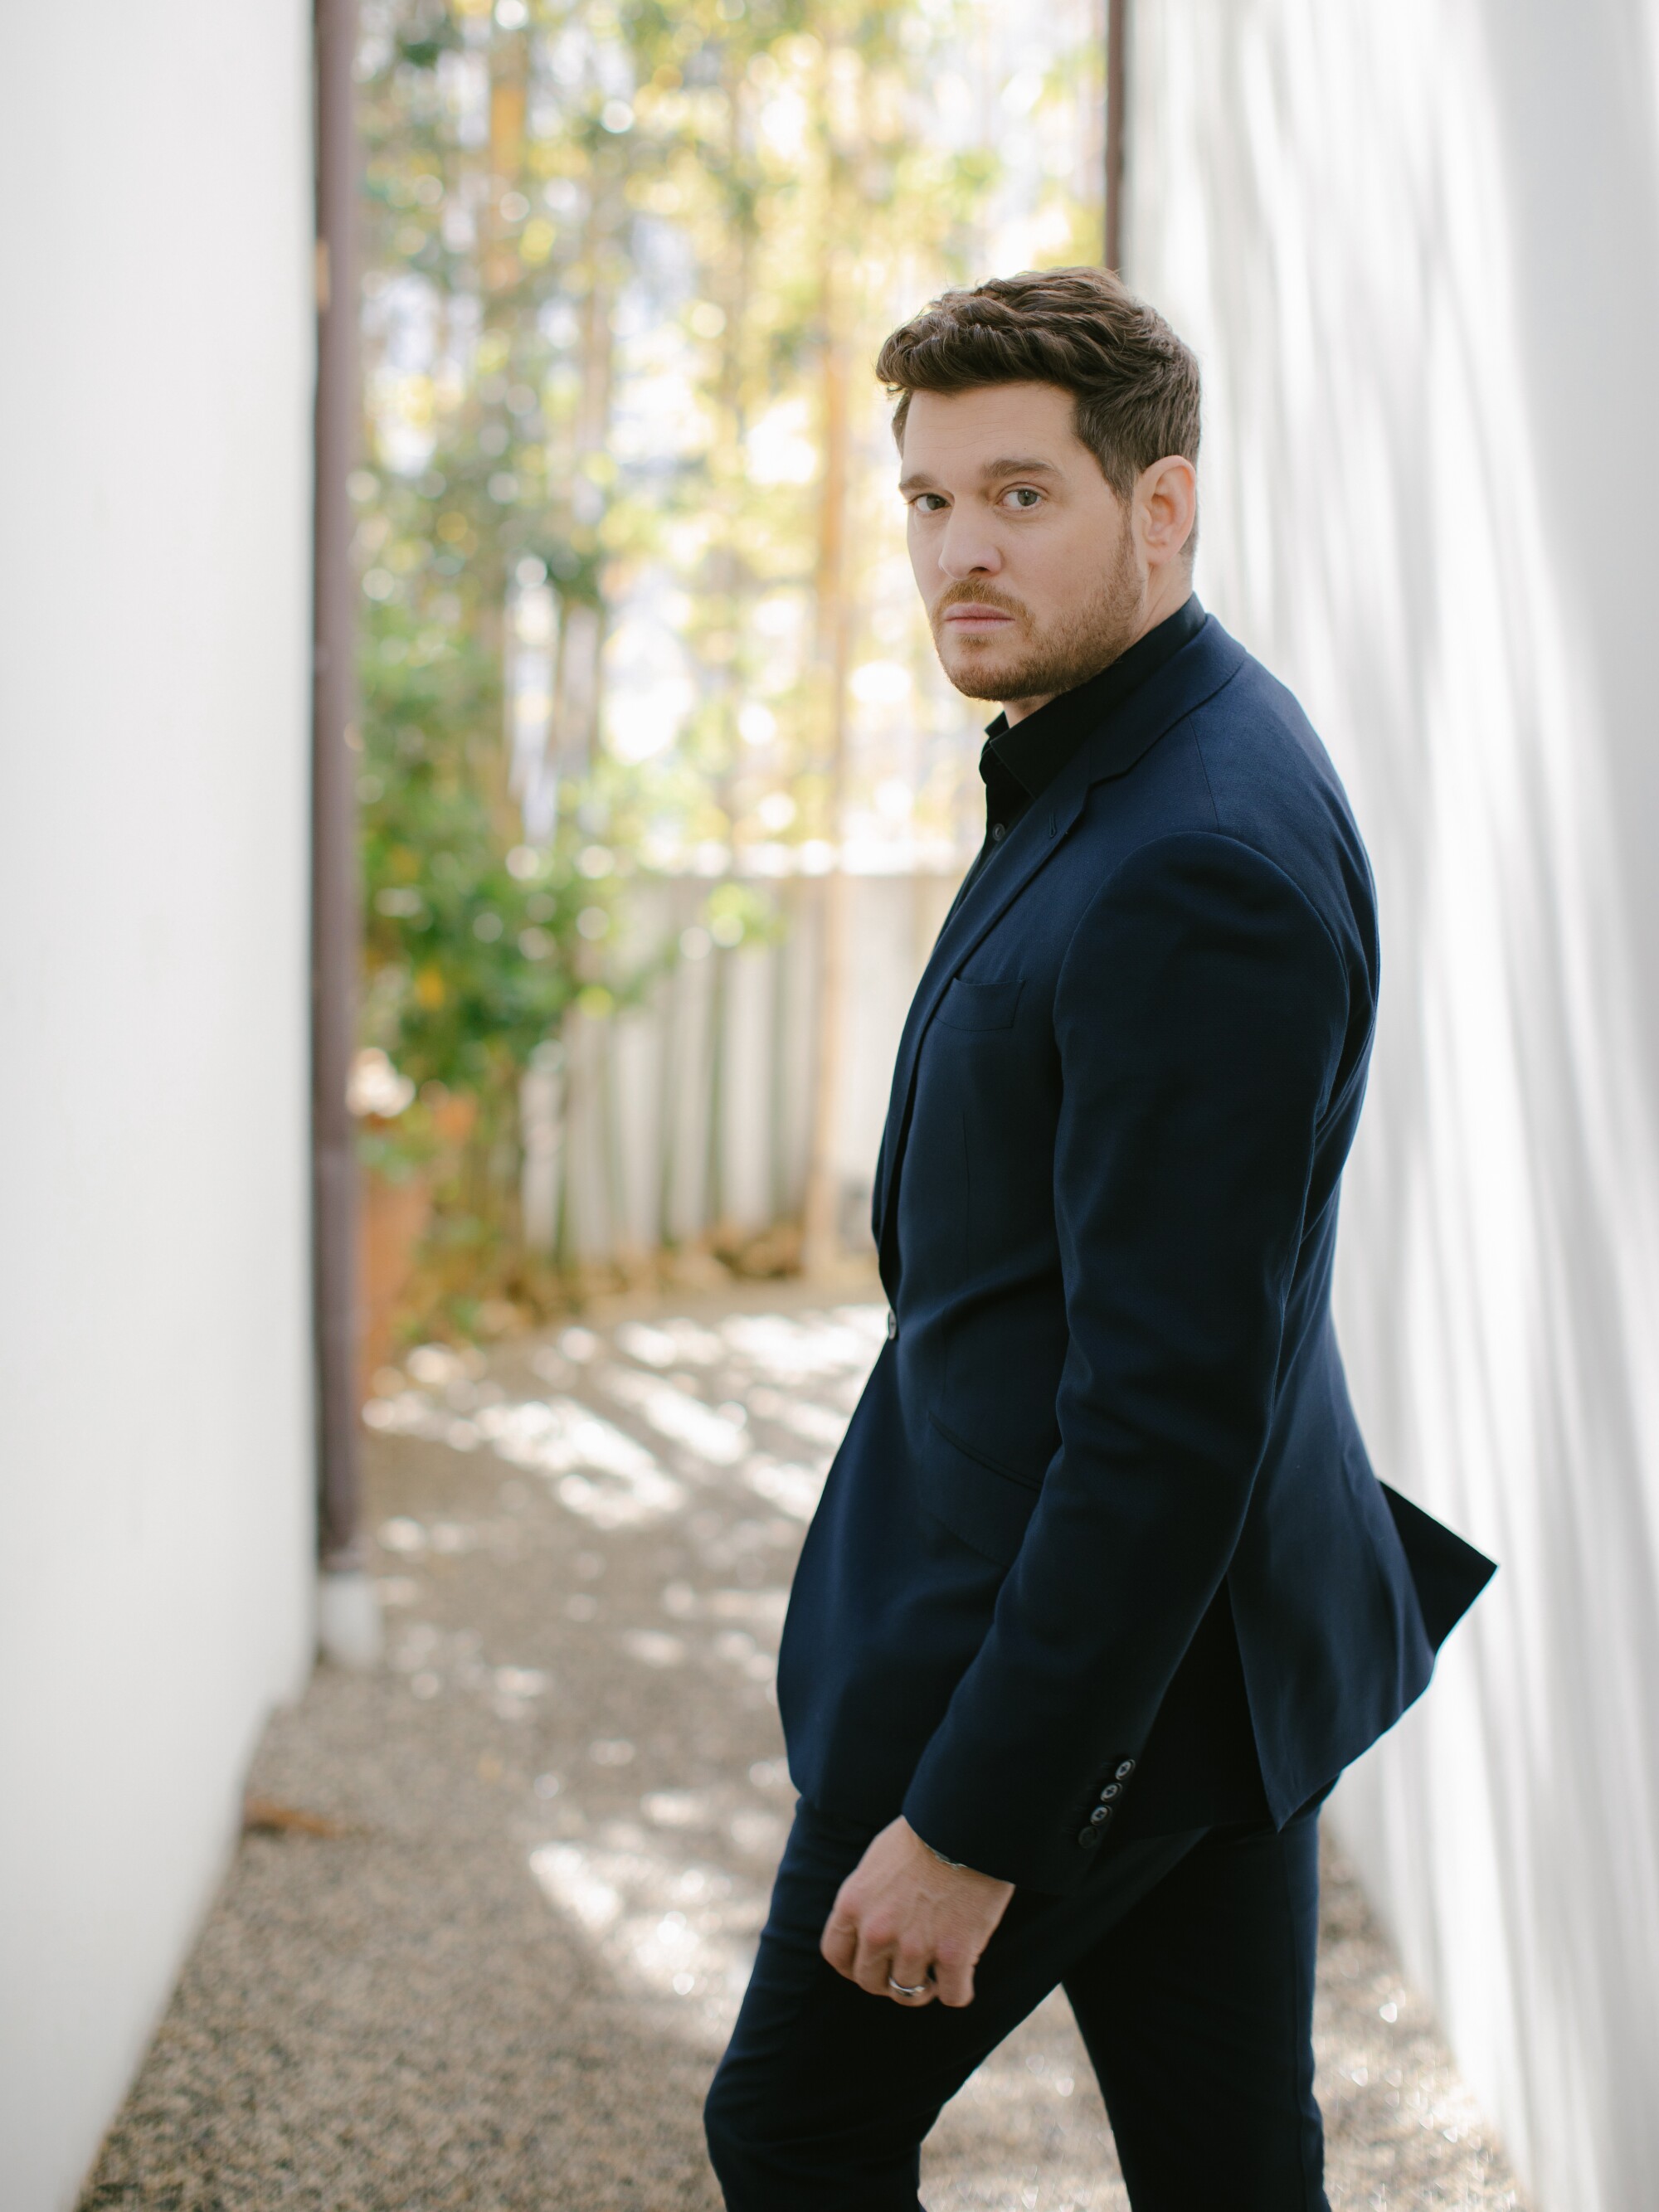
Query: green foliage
[(628, 262), (471, 936)]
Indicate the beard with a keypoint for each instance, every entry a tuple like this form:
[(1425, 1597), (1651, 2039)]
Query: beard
[(1039, 662)]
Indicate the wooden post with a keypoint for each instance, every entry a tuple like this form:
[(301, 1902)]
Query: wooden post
[(334, 916), (1117, 41), (821, 1246)]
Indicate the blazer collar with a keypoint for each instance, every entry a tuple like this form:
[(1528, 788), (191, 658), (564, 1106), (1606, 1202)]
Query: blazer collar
[(1197, 673), (1033, 753)]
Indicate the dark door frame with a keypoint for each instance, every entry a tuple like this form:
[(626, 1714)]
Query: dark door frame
[(334, 740), (1117, 45)]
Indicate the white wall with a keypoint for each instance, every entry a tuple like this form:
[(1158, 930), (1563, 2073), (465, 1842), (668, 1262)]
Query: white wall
[(1417, 248), (628, 1121), (154, 396)]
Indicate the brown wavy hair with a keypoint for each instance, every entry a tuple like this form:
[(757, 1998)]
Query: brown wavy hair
[(1134, 384)]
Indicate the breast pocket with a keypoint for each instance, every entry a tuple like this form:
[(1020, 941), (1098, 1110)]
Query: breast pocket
[(969, 1006)]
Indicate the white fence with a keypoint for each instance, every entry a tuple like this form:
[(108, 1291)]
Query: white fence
[(692, 1115)]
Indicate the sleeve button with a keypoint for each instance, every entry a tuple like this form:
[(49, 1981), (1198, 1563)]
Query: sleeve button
[(1126, 1767), (1088, 1837), (1101, 1814)]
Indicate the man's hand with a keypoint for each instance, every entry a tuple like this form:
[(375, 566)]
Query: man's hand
[(904, 1917)]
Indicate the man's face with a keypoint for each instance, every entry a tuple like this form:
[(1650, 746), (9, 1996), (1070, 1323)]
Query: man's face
[(1025, 557)]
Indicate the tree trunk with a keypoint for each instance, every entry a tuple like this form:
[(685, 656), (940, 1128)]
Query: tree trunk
[(820, 1244)]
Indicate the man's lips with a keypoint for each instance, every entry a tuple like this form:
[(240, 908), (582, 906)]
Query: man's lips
[(975, 617)]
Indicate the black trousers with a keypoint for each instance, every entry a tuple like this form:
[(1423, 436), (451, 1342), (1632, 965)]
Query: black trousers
[(1188, 1960)]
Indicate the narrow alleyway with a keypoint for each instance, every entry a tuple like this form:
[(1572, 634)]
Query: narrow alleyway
[(500, 1976)]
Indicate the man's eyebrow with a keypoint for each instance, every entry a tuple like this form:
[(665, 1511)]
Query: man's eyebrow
[(1012, 465), (1016, 467)]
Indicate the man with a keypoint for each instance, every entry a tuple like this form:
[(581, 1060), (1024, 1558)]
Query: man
[(1103, 1594)]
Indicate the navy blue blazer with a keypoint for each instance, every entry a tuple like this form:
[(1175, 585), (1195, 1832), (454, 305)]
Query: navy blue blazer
[(1111, 1413)]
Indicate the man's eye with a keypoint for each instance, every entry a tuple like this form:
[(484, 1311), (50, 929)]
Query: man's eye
[(928, 503), (1024, 495)]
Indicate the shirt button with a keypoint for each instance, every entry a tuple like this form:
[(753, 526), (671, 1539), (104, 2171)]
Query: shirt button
[(1126, 1767), (1088, 1837), (892, 1324)]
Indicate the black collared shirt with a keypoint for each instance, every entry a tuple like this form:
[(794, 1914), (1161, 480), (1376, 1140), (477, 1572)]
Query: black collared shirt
[(1018, 763)]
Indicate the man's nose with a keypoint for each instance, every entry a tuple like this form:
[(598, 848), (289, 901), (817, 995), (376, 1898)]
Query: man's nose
[(967, 550)]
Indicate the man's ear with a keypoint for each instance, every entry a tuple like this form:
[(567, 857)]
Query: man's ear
[(1166, 508)]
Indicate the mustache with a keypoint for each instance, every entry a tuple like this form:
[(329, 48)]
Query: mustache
[(975, 595)]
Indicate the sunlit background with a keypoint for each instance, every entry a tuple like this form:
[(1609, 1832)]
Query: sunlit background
[(653, 737)]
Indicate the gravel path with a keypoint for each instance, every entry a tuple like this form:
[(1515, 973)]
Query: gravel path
[(501, 1983)]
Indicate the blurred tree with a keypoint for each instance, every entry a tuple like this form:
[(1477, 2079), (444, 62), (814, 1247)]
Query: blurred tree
[(621, 539)]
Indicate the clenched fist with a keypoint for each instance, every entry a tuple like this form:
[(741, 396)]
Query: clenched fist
[(905, 1922)]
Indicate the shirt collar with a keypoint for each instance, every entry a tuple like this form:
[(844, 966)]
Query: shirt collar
[(1034, 751)]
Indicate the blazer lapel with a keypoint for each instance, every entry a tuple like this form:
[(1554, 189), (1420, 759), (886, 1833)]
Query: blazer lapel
[(1197, 672), (1034, 838)]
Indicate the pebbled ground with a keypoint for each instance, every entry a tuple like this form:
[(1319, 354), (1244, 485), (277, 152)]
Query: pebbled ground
[(502, 1981)]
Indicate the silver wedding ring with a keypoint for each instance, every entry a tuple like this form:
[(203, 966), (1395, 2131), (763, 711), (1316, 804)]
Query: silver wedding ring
[(899, 1990)]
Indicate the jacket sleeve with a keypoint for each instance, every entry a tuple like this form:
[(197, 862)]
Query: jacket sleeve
[(1200, 1015)]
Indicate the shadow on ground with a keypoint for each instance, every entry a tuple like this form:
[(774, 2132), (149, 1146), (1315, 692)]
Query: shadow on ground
[(503, 1983)]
